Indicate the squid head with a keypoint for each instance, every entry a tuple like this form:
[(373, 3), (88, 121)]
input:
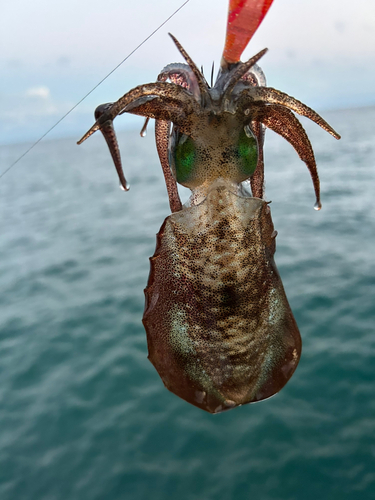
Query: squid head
[(217, 131)]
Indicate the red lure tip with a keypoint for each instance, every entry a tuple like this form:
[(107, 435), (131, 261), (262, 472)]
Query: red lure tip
[(244, 18)]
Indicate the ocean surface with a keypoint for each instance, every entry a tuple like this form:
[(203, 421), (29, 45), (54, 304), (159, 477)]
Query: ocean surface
[(83, 413)]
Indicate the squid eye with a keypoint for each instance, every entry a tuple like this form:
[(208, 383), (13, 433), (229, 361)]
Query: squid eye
[(182, 157), (247, 151)]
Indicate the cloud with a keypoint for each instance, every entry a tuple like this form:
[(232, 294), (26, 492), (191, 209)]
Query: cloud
[(340, 27), (42, 92), (63, 61), (33, 105)]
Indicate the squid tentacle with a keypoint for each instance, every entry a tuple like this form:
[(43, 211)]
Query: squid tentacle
[(162, 139), (109, 135), (203, 85), (187, 100), (254, 78), (282, 121), (269, 95), (179, 74), (162, 94), (240, 70), (161, 100), (175, 94), (257, 179), (161, 109)]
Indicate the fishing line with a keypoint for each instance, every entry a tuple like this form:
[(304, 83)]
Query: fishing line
[(92, 90)]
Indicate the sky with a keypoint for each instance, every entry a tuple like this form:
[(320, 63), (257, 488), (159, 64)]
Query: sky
[(52, 53)]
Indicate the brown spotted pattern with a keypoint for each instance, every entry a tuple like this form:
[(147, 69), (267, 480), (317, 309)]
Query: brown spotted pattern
[(219, 327)]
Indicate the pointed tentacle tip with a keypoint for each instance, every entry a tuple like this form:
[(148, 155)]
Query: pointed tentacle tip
[(261, 53), (317, 205), (336, 135), (143, 131), (329, 129), (178, 45), (174, 39), (253, 60), (93, 129), (99, 112), (124, 187), (181, 50)]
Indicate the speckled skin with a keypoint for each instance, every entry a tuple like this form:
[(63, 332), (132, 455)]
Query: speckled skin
[(219, 327)]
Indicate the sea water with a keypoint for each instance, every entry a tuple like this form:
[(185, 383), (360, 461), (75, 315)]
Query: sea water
[(83, 413)]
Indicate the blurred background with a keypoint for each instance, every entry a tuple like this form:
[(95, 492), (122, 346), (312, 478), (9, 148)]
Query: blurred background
[(83, 414), (53, 53)]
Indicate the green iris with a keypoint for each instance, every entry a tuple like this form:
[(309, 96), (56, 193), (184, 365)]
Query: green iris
[(184, 156), (247, 151)]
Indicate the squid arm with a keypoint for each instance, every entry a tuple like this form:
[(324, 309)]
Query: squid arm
[(282, 121), (161, 100)]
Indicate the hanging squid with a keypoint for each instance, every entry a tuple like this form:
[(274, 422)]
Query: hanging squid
[(220, 330)]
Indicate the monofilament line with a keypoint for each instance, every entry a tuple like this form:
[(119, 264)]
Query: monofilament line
[(92, 90)]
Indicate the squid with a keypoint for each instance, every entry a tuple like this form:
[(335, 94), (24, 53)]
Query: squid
[(220, 330)]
